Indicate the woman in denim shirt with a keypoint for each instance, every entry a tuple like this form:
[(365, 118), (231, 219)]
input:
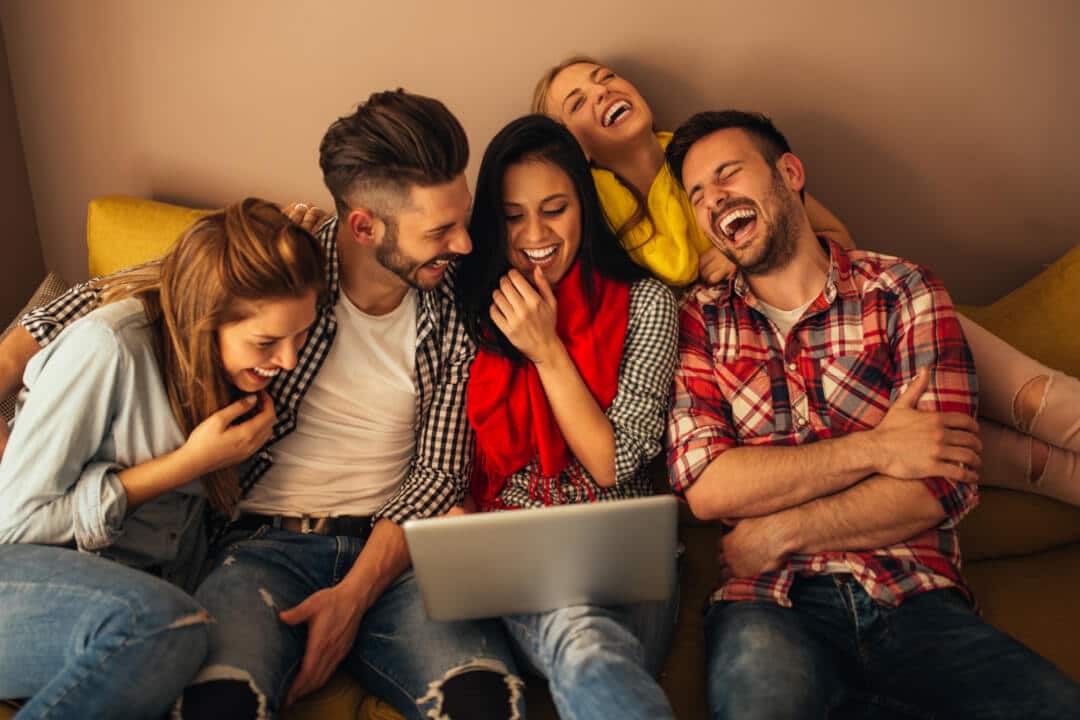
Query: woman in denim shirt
[(132, 420)]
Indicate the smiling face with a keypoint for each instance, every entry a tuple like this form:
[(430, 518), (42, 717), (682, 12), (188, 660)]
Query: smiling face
[(265, 340), (602, 110), (542, 212), (747, 208), (429, 233)]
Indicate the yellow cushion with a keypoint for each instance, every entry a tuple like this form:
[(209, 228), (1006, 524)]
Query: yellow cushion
[(124, 231), (1041, 317), (1008, 523), (340, 698), (1030, 598)]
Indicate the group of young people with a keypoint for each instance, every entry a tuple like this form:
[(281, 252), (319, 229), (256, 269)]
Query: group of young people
[(230, 437)]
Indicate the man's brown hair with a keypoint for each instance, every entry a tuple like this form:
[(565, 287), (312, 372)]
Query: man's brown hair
[(392, 142)]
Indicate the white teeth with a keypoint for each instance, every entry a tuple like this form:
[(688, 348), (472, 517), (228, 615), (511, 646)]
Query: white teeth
[(614, 111), (438, 263), (725, 223), (266, 373), (541, 254)]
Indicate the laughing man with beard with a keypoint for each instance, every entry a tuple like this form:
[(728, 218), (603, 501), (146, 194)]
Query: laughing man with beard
[(823, 413)]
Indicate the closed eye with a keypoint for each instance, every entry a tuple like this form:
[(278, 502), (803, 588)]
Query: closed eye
[(555, 212)]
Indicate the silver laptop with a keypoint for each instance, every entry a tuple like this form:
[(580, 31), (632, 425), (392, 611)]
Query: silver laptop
[(525, 561)]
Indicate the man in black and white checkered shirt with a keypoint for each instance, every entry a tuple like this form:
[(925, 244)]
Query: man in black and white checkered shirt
[(371, 431)]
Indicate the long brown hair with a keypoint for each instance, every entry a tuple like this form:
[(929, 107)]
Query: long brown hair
[(539, 105), (248, 251)]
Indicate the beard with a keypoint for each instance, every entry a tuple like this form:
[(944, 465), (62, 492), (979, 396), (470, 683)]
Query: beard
[(778, 246), (390, 255)]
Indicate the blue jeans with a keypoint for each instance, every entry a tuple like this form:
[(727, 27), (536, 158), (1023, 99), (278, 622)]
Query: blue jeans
[(837, 652), (600, 662), (85, 637), (399, 654)]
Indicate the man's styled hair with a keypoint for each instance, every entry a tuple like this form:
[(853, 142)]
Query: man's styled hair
[(392, 142), (769, 141)]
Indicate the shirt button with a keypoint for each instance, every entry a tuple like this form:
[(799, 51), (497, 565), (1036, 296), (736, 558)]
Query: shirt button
[(801, 422), (792, 367)]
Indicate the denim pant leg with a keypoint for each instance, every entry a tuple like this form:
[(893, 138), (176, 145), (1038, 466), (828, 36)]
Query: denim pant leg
[(935, 653), (252, 578), (86, 637), (767, 661), (594, 663), (461, 670), (654, 625)]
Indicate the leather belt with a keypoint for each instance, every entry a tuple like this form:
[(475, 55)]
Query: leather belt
[(351, 525)]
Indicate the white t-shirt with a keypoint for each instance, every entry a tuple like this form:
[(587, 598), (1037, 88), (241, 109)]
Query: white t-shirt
[(356, 426), (784, 320)]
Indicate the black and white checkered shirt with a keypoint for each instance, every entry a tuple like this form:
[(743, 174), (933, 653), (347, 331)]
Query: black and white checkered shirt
[(439, 470), (638, 413)]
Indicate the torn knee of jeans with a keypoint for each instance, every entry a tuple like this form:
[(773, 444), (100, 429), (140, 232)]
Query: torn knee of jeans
[(267, 598), (196, 618), (483, 689), (1029, 401), (221, 691)]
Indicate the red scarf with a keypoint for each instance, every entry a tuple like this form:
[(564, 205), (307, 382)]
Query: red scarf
[(506, 403)]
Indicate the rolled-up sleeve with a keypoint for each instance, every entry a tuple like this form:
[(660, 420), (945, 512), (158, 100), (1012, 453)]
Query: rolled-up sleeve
[(700, 425), (639, 410), (53, 489), (928, 334), (46, 322)]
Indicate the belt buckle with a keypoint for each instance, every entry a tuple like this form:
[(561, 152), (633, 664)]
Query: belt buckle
[(318, 527)]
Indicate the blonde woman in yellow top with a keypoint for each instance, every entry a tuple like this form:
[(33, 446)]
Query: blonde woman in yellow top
[(1029, 423)]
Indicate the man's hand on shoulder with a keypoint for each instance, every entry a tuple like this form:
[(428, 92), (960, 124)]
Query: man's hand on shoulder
[(309, 217), (910, 443)]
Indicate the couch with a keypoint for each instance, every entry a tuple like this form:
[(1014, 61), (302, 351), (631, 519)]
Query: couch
[(1021, 551)]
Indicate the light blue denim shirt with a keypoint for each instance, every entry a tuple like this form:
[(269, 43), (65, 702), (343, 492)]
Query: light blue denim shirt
[(94, 404)]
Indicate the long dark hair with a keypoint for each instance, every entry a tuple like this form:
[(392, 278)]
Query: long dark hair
[(533, 137)]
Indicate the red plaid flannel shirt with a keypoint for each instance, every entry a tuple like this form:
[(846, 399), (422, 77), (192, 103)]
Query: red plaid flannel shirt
[(877, 321)]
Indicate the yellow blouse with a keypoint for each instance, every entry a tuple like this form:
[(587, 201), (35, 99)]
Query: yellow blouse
[(669, 246)]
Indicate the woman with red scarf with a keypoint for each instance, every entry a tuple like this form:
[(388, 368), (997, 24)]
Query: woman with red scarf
[(568, 395)]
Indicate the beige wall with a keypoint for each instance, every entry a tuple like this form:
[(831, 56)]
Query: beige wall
[(21, 266), (943, 131)]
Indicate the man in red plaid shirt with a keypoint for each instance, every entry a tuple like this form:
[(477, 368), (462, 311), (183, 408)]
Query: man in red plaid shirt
[(823, 411)]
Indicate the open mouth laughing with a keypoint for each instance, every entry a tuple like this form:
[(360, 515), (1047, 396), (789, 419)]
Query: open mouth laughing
[(541, 256), (736, 226), (615, 112)]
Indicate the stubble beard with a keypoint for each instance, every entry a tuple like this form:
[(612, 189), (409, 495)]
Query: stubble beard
[(778, 247)]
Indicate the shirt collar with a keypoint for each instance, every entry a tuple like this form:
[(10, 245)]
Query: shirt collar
[(838, 281)]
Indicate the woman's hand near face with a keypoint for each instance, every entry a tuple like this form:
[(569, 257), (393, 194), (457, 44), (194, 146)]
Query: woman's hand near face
[(713, 266), (220, 442), (215, 443), (526, 314)]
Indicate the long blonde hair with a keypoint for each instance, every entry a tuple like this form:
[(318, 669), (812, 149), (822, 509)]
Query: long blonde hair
[(248, 251), (539, 105)]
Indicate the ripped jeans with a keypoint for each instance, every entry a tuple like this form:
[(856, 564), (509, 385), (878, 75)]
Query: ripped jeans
[(86, 637), (600, 662), (421, 667)]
